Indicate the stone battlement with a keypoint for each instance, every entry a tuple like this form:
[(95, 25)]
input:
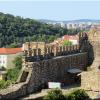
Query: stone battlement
[(39, 51)]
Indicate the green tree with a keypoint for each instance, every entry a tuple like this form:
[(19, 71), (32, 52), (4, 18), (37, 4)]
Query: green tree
[(67, 43), (16, 30), (18, 62), (12, 74), (4, 84), (51, 38), (13, 45), (54, 94), (79, 94)]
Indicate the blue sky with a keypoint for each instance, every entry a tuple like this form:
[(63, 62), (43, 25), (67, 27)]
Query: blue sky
[(53, 10)]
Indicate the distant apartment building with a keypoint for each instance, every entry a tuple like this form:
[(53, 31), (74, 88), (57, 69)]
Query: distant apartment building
[(73, 25), (63, 25), (81, 25), (69, 26), (7, 55)]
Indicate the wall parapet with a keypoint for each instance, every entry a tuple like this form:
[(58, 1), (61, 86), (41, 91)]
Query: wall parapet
[(37, 51)]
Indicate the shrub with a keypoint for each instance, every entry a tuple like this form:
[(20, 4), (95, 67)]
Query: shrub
[(79, 94), (54, 94), (12, 74), (18, 62), (4, 84), (67, 43)]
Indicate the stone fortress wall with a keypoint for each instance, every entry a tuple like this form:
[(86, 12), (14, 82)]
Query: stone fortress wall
[(43, 65), (41, 48), (37, 74), (91, 78)]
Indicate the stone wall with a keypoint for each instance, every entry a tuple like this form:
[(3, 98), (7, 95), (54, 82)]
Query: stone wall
[(39, 73), (55, 70), (90, 80)]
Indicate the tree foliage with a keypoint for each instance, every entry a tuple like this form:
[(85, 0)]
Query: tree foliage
[(12, 74), (18, 62), (54, 94), (4, 84), (67, 43), (79, 94), (16, 30)]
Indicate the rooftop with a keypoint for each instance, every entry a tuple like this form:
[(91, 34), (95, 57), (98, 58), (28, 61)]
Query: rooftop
[(70, 37), (10, 50)]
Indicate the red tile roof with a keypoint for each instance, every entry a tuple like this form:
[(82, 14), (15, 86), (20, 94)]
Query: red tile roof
[(70, 37), (10, 50)]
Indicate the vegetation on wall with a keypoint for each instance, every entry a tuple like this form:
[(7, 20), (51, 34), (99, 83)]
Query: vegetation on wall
[(12, 74), (4, 84), (18, 62), (16, 30)]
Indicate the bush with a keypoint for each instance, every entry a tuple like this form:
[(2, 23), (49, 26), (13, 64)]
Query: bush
[(12, 74), (18, 62), (4, 84), (67, 43), (78, 95), (54, 94)]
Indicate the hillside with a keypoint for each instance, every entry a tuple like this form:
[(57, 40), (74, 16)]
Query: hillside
[(16, 30)]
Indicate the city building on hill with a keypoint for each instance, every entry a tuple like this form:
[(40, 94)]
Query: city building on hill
[(7, 55), (72, 38)]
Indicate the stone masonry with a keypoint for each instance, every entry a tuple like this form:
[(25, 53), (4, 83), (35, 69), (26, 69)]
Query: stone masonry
[(91, 78)]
